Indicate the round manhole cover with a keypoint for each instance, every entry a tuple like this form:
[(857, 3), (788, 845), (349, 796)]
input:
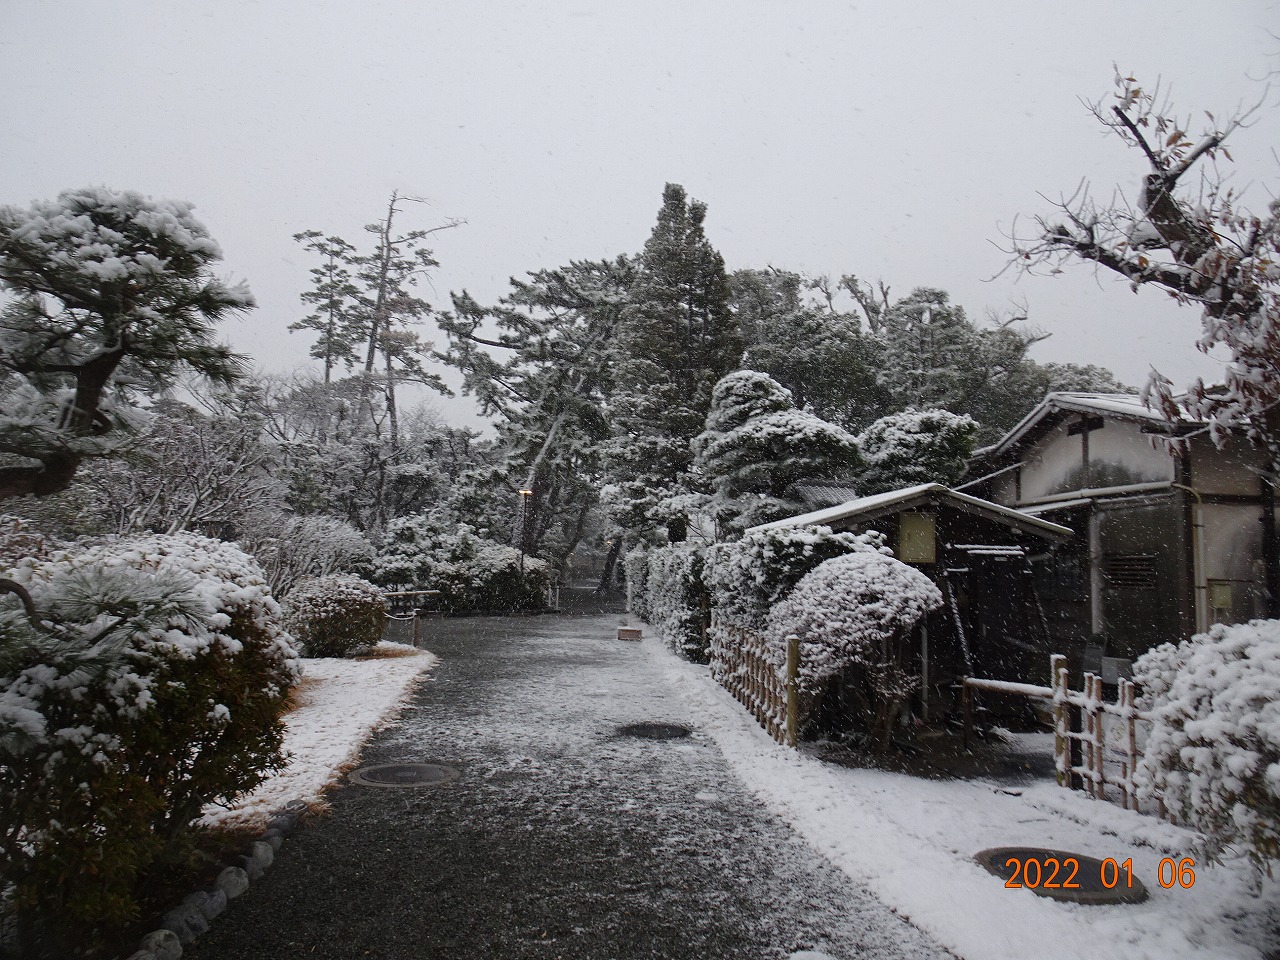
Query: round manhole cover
[(655, 731), (405, 775), (1060, 875)]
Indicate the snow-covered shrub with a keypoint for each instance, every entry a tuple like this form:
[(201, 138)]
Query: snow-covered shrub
[(151, 684), (677, 600), (291, 547), (335, 616), (637, 566), (747, 577), (471, 572), (915, 446), (853, 615), (1213, 754)]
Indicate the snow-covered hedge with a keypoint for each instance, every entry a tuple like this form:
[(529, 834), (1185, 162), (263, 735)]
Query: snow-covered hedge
[(747, 577), (637, 567), (853, 615), (335, 616), (151, 684), (1213, 754), (471, 572), (676, 599)]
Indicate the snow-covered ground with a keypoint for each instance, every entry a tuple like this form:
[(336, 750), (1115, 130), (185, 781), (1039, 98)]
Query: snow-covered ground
[(912, 841), (341, 702)]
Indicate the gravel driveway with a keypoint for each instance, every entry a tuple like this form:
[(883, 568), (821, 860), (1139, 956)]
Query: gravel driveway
[(563, 836)]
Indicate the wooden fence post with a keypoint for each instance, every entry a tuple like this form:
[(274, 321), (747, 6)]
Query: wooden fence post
[(793, 693), (1061, 752), (1087, 720), (1131, 743)]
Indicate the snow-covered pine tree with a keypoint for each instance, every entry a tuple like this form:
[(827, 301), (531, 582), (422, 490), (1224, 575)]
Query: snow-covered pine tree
[(677, 337), (757, 444), (818, 352), (99, 283), (915, 446), (333, 296), (935, 357), (929, 346), (368, 306)]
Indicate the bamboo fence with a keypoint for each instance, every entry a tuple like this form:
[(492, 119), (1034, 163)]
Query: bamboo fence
[(1105, 730), (740, 662), (1096, 742)]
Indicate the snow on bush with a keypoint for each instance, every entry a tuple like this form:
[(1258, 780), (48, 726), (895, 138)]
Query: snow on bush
[(748, 576), (335, 616), (471, 572), (18, 542), (290, 548), (676, 599), (853, 615), (152, 683), (1213, 753)]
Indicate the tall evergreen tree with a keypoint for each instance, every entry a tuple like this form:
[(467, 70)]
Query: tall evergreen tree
[(677, 337), (333, 296), (818, 352), (934, 357), (549, 385), (366, 304)]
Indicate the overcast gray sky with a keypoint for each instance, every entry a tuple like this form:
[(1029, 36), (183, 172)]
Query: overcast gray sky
[(895, 141)]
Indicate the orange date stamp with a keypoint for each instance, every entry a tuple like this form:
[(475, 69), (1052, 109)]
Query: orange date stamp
[(1064, 873)]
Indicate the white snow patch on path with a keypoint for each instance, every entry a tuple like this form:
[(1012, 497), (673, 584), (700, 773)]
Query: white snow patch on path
[(342, 703), (912, 841)]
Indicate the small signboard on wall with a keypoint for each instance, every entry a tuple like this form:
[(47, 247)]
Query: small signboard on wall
[(918, 537)]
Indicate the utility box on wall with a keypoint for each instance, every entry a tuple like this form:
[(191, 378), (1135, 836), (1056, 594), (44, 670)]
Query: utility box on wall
[(918, 537)]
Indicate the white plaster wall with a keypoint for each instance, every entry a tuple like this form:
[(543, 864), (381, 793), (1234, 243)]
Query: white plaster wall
[(1123, 444), (1048, 462), (1232, 542)]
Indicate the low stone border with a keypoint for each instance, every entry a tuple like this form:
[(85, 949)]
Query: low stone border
[(181, 925)]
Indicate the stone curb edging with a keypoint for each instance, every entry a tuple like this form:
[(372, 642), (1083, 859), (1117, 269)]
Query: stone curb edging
[(181, 925)]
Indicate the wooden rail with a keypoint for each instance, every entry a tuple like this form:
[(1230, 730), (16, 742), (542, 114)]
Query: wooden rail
[(415, 616)]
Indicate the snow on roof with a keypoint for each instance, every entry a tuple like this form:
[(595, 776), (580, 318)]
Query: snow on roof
[(885, 502), (824, 494), (1128, 405)]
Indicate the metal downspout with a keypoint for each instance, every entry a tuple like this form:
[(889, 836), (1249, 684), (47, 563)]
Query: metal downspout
[(1197, 549)]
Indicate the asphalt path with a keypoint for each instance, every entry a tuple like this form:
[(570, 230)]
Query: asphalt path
[(562, 837)]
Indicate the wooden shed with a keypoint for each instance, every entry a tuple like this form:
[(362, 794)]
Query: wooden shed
[(977, 552)]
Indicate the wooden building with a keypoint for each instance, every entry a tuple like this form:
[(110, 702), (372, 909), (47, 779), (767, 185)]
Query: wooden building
[(1168, 538)]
